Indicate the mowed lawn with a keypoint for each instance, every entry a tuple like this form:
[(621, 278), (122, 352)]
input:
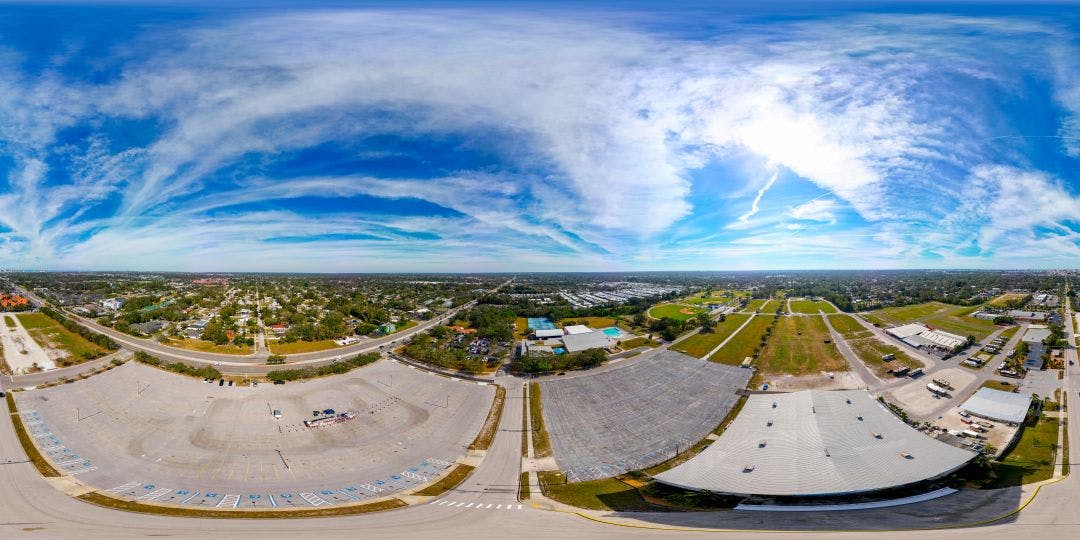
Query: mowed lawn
[(697, 299), (953, 319), (797, 347), (674, 311), (811, 306), (698, 345), (848, 326), (744, 343), (297, 347), (51, 334), (1030, 460)]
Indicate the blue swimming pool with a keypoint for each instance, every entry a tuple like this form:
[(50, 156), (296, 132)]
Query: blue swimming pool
[(614, 332), (559, 350)]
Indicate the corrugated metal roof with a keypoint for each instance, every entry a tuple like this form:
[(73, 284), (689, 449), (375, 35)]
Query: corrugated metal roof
[(815, 443)]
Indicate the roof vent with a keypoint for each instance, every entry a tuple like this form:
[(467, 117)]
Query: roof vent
[(906, 455), (859, 417), (761, 444), (848, 400), (827, 453), (768, 423), (878, 436), (749, 467), (774, 404), (813, 409)]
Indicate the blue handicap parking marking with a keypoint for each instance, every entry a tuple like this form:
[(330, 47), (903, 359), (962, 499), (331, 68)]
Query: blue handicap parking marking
[(350, 488), (182, 492), (254, 496), (327, 492), (379, 483), (395, 477), (286, 495), (211, 495), (148, 486)]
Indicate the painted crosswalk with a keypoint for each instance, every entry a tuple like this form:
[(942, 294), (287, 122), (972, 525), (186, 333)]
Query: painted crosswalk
[(447, 503)]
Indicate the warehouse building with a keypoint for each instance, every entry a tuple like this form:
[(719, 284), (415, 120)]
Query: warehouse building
[(816, 443)]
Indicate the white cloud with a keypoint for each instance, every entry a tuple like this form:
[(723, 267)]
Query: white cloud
[(823, 210), (599, 126)]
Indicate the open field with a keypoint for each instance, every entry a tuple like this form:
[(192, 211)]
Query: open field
[(297, 347), (848, 326), (1005, 299), (936, 315), (674, 311), (51, 334), (870, 349), (797, 347), (207, 346), (408, 324), (591, 322), (698, 299), (744, 343), (698, 345), (811, 306), (9, 321)]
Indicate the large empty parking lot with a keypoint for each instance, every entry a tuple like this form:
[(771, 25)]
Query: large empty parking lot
[(145, 433), (636, 416)]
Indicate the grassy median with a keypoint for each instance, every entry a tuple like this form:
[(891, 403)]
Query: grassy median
[(491, 424), (448, 482), (143, 508), (540, 439), (31, 450)]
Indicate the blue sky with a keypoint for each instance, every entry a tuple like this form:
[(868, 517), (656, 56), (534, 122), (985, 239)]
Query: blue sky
[(537, 136)]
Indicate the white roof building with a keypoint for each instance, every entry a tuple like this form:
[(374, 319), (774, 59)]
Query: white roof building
[(815, 442), (907, 330), (997, 405), (577, 329), (554, 332), (591, 340)]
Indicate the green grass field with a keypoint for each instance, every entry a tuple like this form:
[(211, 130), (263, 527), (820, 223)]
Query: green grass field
[(1030, 460), (811, 307), (936, 315), (674, 311), (1009, 332), (698, 345), (604, 494), (297, 347), (9, 321), (744, 343), (754, 305), (698, 299), (848, 326), (207, 346), (868, 348), (797, 347), (634, 343), (49, 333)]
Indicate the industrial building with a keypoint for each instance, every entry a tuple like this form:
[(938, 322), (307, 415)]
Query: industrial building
[(816, 443)]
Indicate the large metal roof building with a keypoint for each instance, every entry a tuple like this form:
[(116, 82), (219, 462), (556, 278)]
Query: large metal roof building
[(815, 443), (997, 405)]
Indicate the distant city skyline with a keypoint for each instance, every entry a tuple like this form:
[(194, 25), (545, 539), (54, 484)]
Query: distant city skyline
[(513, 137)]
